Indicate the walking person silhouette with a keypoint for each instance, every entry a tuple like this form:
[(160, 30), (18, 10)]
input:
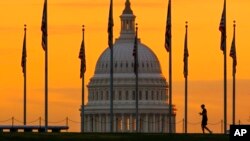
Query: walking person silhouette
[(204, 119)]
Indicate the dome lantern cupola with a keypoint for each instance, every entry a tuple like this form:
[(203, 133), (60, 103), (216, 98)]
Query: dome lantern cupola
[(127, 22), (127, 9)]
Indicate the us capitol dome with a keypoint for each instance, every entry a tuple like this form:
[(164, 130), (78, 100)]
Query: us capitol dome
[(153, 107)]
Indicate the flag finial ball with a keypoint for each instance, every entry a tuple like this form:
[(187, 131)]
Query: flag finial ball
[(83, 27)]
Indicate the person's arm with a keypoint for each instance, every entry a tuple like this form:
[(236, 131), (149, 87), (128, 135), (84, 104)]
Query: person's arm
[(203, 113)]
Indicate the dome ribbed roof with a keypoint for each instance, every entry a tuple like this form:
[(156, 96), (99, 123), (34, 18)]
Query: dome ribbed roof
[(124, 60)]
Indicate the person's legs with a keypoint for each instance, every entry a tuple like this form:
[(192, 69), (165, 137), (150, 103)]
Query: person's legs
[(202, 128), (203, 125), (208, 129)]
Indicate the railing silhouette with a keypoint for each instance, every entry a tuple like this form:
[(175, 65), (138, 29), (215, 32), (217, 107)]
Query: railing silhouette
[(67, 121), (13, 125)]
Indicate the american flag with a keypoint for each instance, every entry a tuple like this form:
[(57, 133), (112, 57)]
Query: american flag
[(44, 26), (168, 28), (24, 54), (185, 58), (233, 53), (110, 25), (135, 52), (82, 57), (222, 29)]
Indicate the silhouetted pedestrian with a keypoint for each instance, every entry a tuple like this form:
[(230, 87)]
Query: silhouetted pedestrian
[(204, 119)]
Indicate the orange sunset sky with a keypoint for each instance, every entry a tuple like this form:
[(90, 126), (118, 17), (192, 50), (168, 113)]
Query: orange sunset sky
[(65, 20)]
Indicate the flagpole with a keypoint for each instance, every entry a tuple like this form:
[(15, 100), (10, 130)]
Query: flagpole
[(25, 76), (234, 72), (82, 107), (186, 96), (46, 73), (82, 73), (111, 89), (110, 42), (223, 30), (170, 90), (186, 78), (168, 46), (234, 99), (170, 76), (137, 99), (46, 89), (136, 80), (225, 72)]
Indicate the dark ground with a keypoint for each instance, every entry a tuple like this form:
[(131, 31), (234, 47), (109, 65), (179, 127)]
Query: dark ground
[(110, 137)]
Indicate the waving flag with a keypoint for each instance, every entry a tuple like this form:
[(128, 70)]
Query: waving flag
[(24, 54), (44, 26), (135, 52), (110, 25), (185, 58), (222, 29), (82, 57), (233, 53), (168, 28)]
